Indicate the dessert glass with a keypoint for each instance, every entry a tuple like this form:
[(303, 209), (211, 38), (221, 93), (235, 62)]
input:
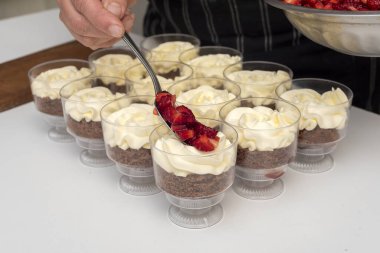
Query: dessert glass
[(50, 106), (149, 43), (265, 148), (87, 132), (207, 68), (167, 73), (315, 145), (205, 106), (186, 179), (114, 66), (127, 144), (262, 84)]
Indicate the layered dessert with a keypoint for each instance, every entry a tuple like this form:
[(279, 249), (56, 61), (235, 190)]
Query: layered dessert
[(323, 115), (126, 134), (112, 65), (167, 73), (46, 86), (205, 101), (346, 5), (267, 137), (82, 111), (209, 65), (170, 51), (258, 83)]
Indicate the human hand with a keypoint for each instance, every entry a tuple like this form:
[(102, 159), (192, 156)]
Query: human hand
[(97, 23)]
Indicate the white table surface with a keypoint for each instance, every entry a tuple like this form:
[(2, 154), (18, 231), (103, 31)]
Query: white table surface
[(50, 202)]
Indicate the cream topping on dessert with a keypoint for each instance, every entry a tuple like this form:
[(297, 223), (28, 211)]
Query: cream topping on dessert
[(87, 103), (130, 127), (328, 111), (181, 160), (170, 51), (114, 65), (263, 129), (205, 101), (258, 83), (49, 83), (212, 65)]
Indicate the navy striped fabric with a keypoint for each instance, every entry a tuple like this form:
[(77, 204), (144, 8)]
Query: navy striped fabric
[(262, 32)]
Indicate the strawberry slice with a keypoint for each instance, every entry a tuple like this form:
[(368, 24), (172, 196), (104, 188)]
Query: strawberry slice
[(185, 134), (176, 127), (202, 129), (204, 143)]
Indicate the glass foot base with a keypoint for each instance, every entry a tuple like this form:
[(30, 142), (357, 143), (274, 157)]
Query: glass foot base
[(258, 190), (195, 218), (312, 163), (60, 135), (138, 186), (95, 158)]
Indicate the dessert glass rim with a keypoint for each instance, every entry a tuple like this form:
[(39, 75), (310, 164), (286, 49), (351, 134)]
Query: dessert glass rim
[(349, 96), (152, 63), (194, 79), (162, 35), (110, 49), (93, 77), (58, 61), (238, 53), (206, 154), (291, 74), (296, 122), (103, 118)]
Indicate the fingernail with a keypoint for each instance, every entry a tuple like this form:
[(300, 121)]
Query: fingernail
[(115, 9), (115, 30)]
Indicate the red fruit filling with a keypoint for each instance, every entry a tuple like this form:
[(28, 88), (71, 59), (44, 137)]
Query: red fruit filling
[(346, 5), (182, 121)]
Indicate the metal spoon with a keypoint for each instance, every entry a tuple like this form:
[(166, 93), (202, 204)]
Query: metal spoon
[(157, 87)]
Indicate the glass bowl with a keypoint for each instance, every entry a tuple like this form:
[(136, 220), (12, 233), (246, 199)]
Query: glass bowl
[(176, 43), (210, 61), (46, 80), (112, 62), (267, 144), (258, 78), (193, 181), (167, 73), (322, 125), (349, 32), (127, 123), (205, 96), (82, 101)]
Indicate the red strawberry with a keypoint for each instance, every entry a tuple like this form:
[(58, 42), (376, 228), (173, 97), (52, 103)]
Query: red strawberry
[(176, 127), (185, 134), (155, 112), (373, 4), (275, 174), (202, 129), (204, 143)]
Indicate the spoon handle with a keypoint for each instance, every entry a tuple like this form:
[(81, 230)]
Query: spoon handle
[(128, 40)]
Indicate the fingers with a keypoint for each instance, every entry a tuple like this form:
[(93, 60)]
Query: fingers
[(94, 42), (101, 18), (128, 22)]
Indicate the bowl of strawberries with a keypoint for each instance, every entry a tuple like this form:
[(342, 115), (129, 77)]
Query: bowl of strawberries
[(347, 26)]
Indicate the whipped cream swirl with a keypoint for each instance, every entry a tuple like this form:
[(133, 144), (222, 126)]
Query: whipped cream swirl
[(258, 83), (205, 101), (263, 129), (87, 103), (212, 65), (130, 126), (170, 51), (49, 83), (328, 111), (182, 160)]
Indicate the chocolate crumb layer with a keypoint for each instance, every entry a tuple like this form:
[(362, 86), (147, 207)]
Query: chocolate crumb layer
[(49, 106), (90, 130), (317, 136), (265, 159), (113, 87), (171, 74), (193, 185), (139, 158)]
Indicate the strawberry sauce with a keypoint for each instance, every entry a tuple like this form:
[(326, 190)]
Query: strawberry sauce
[(347, 5)]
